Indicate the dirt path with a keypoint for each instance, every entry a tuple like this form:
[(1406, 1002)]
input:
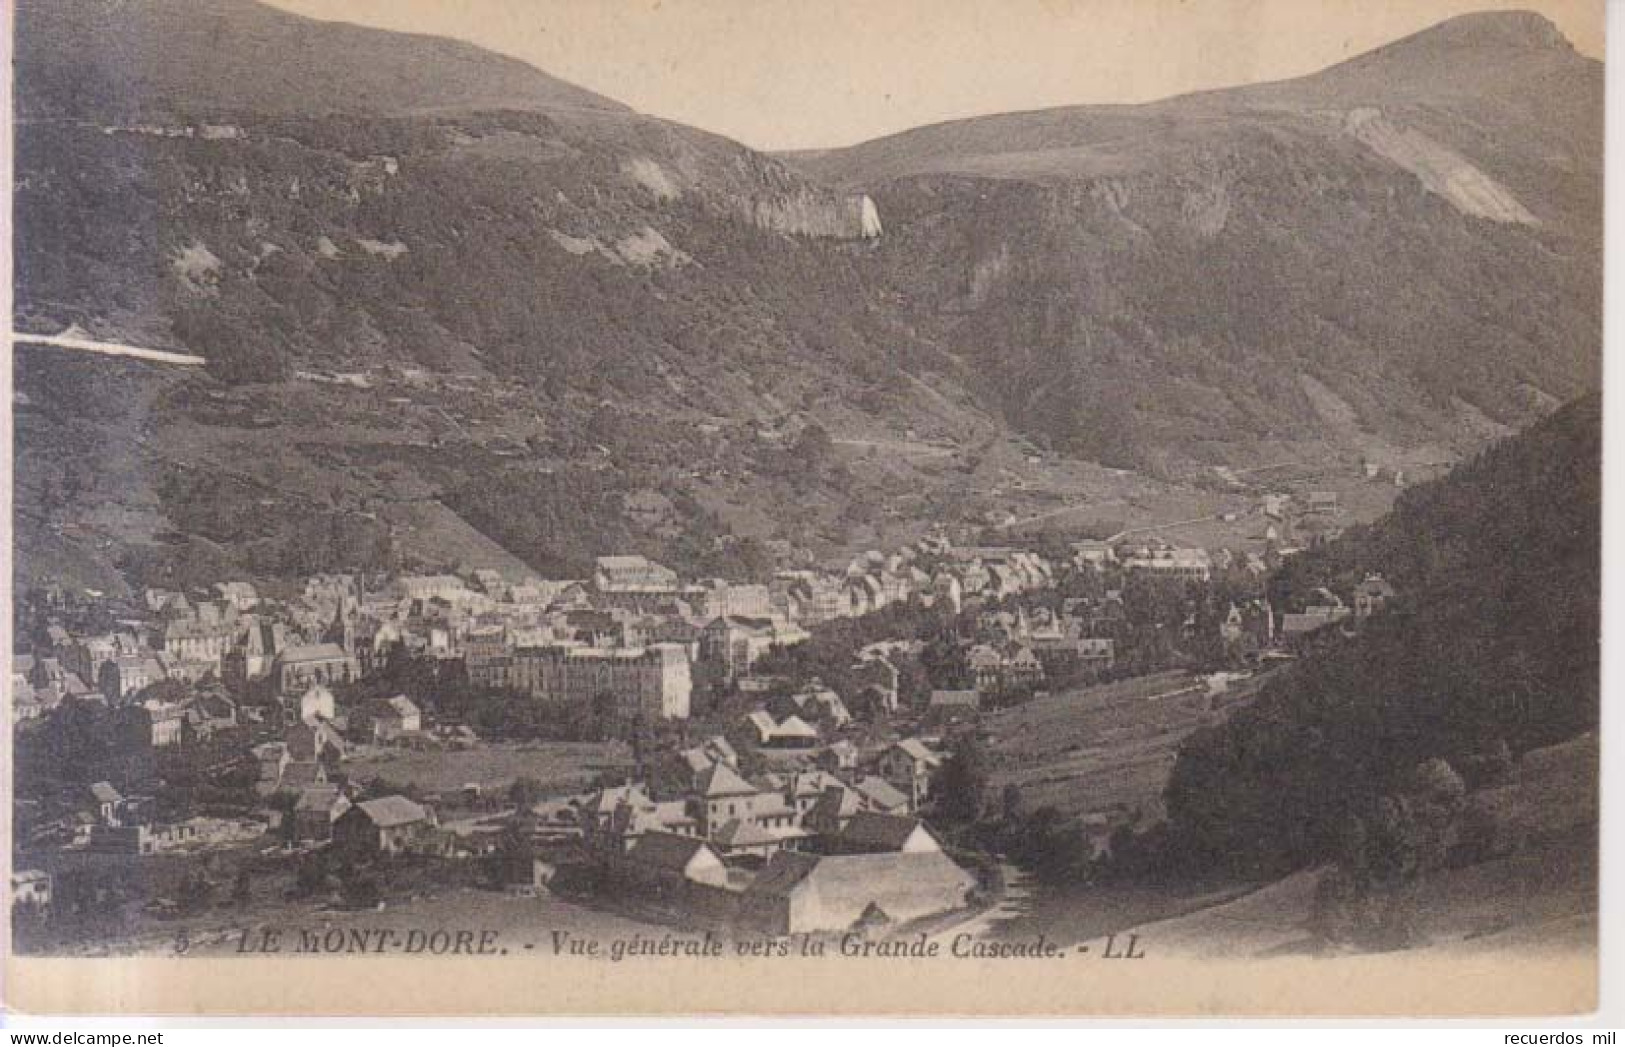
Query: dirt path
[(1013, 903), (1089, 507)]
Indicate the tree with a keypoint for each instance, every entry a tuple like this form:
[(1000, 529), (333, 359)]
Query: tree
[(310, 877), (1010, 802), (108, 682), (242, 888), (357, 888), (194, 891), (284, 803), (959, 783), (1368, 898), (524, 792), (513, 858), (943, 659), (603, 714)]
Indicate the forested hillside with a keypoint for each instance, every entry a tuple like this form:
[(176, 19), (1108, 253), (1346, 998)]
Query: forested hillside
[(458, 311), (1494, 639), (561, 324)]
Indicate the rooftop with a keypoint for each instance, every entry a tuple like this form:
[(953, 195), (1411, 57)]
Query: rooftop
[(388, 811), (666, 850), (873, 831)]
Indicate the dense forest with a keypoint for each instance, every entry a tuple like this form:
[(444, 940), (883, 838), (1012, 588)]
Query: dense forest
[(1491, 647)]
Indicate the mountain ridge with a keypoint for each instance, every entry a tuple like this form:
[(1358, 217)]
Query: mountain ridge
[(125, 52), (605, 304), (1310, 230), (1525, 33)]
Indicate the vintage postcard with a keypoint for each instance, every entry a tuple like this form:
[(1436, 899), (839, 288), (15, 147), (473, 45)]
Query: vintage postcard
[(686, 507)]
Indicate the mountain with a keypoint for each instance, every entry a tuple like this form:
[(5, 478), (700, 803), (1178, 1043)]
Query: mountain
[(160, 59), (1366, 259), (453, 310), (457, 311), (1493, 645)]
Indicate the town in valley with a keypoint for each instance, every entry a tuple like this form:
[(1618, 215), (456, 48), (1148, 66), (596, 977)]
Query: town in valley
[(797, 755)]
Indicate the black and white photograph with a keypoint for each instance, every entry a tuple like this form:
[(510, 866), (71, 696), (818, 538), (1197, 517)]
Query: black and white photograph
[(807, 508)]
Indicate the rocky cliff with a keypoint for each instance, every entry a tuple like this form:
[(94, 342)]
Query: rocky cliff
[(1416, 232)]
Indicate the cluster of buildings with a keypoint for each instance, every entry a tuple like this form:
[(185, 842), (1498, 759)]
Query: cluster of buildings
[(108, 820), (242, 677), (1253, 625), (827, 838), (935, 573), (827, 845), (633, 629), (1156, 558), (1371, 596), (1292, 523), (814, 828), (1024, 648)]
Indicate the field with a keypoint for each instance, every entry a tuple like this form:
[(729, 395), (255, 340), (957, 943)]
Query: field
[(1103, 753), (558, 766)]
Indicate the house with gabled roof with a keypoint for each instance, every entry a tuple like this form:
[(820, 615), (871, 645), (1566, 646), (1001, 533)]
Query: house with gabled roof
[(761, 721), (908, 765), (720, 794), (871, 832), (880, 795), (819, 705), (663, 863), (839, 755), (792, 733), (314, 813), (604, 802), (877, 674), (801, 789), (629, 822), (1372, 595), (833, 809), (325, 663), (720, 750), (615, 816), (632, 574), (387, 825), (800, 893), (395, 718), (738, 838)]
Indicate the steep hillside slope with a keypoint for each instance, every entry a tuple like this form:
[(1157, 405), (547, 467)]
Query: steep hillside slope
[(1367, 257), (448, 300), (161, 59), (566, 324), (1494, 642)]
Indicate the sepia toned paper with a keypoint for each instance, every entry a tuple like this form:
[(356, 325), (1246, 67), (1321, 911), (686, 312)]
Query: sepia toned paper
[(913, 510)]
